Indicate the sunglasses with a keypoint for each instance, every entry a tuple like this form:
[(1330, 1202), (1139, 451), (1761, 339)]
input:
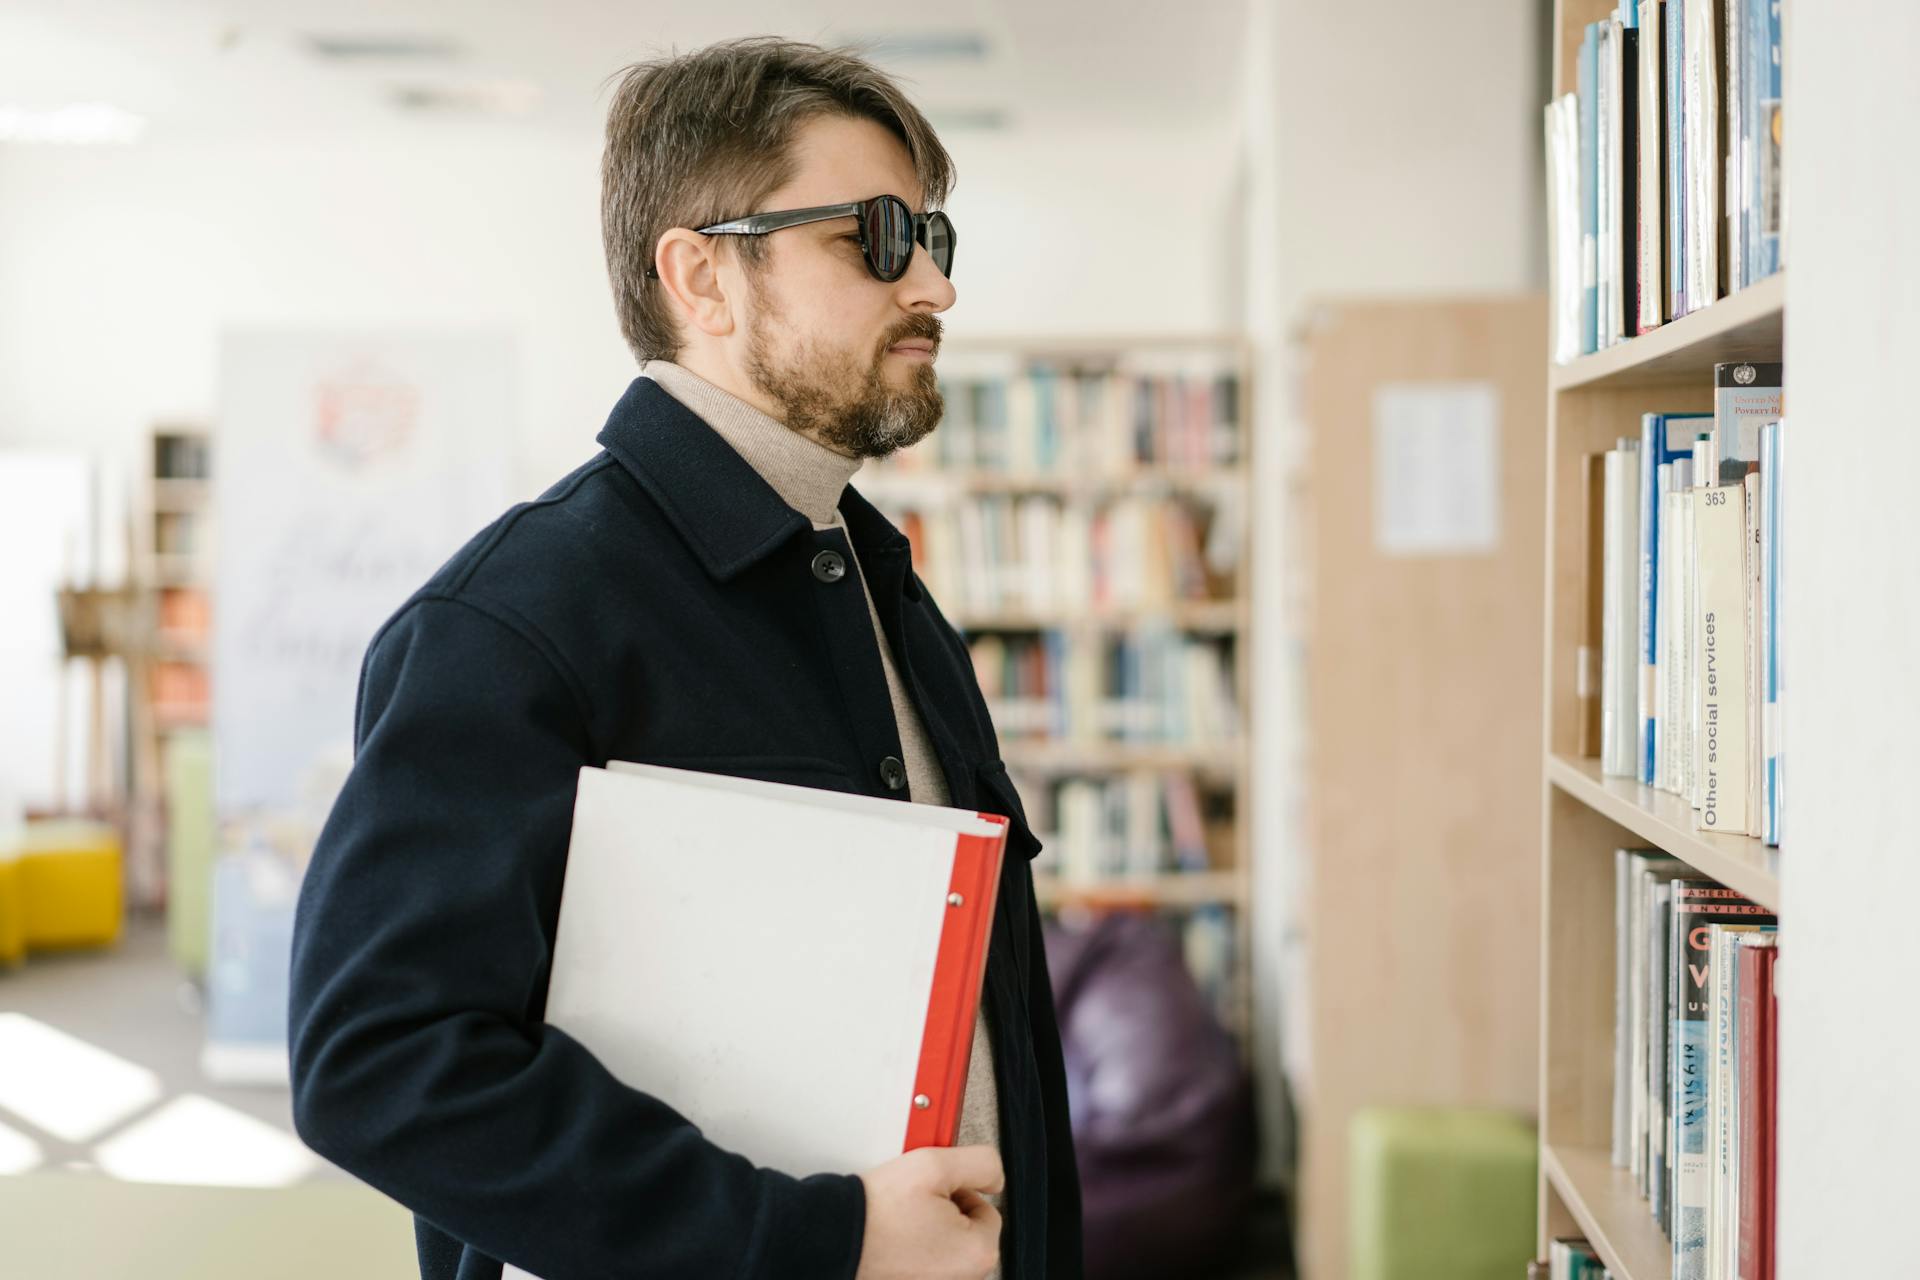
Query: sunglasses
[(888, 232)]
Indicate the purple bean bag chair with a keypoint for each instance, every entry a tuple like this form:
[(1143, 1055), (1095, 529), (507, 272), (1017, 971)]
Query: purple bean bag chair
[(1163, 1121)]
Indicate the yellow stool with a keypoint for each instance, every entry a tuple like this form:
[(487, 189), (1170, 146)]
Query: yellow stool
[(13, 911), (69, 873)]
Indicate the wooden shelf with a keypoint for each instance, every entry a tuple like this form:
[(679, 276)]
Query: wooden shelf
[(1739, 862), (1193, 615), (1741, 326), (1607, 1205), (1116, 757), (1172, 888)]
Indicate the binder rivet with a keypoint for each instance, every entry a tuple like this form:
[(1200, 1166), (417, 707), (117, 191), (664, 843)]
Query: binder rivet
[(921, 1102), (955, 900)]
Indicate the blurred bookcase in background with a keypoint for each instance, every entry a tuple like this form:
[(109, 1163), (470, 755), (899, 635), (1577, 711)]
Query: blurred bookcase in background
[(1082, 517)]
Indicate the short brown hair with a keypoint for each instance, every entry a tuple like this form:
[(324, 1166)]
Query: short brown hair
[(702, 136)]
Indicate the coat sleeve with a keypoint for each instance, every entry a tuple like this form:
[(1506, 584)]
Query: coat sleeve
[(421, 949), (1064, 1249)]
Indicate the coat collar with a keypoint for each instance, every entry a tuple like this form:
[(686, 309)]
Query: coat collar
[(727, 513)]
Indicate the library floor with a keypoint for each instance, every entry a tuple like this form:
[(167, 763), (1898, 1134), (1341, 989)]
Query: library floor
[(106, 1119)]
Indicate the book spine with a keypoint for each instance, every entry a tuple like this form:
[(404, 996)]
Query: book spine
[(1592, 605), (1770, 606), (1627, 226), (1670, 729), (1769, 1112), (1606, 209), (1687, 576), (1723, 1204), (1635, 1085), (1721, 537), (1771, 211), (1624, 867), (1752, 1080), (1589, 75), (1651, 115), (1674, 74), (1659, 1049), (1716, 1139), (1745, 398), (1652, 428), (1696, 905), (1751, 542), (1703, 60), (1619, 687), (1733, 228)]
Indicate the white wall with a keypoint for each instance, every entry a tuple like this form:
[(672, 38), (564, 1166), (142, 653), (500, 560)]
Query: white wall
[(1391, 149), (1850, 874), (123, 266)]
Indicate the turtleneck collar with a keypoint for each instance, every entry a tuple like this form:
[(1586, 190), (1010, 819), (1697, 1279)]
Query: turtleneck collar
[(806, 474)]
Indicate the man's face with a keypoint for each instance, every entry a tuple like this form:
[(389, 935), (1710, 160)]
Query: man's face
[(822, 333)]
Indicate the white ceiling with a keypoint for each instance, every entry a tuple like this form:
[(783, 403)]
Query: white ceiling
[(223, 68)]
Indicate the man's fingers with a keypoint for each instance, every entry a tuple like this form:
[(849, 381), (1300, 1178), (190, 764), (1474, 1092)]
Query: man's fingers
[(975, 1168), (979, 1211)]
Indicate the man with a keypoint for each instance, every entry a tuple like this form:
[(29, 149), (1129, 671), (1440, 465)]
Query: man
[(708, 593)]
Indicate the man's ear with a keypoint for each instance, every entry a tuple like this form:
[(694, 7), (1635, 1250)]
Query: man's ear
[(689, 272)]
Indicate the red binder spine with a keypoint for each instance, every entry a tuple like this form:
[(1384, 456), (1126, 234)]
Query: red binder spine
[(940, 1080)]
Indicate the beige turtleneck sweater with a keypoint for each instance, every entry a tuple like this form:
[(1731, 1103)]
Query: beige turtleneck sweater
[(810, 477)]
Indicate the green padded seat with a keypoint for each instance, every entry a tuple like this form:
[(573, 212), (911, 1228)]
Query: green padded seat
[(1441, 1193)]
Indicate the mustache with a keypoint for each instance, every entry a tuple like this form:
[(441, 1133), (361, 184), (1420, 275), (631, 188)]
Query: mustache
[(919, 325)]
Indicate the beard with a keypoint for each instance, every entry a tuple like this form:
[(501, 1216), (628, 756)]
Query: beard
[(843, 398)]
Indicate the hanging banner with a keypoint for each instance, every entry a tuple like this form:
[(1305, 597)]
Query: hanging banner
[(347, 468)]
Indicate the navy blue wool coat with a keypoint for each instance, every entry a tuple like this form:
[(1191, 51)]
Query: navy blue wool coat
[(660, 604)]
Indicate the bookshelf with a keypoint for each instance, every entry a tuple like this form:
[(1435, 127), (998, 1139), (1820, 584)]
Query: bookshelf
[(1591, 401), (174, 567), (1062, 466)]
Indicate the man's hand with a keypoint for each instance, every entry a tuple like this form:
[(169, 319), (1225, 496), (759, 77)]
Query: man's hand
[(928, 1217)]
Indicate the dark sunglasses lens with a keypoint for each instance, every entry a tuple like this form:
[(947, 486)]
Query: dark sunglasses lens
[(889, 234), (939, 242)]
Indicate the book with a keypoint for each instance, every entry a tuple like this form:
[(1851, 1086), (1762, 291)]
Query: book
[(1636, 871), (1607, 167), (1773, 437), (1759, 1093), (1751, 542), (1721, 658), (1696, 905), (1704, 469), (1624, 179), (1734, 129), (1686, 627), (1701, 91), (1650, 231), (1588, 76), (1623, 885), (1673, 73), (1664, 438), (1723, 1098), (1769, 201), (1572, 1258), (794, 918), (1619, 685), (1746, 396), (1659, 1056), (1586, 676), (1671, 629), (1563, 224)]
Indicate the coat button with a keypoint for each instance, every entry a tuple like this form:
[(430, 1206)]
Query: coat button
[(829, 566), (893, 773)]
